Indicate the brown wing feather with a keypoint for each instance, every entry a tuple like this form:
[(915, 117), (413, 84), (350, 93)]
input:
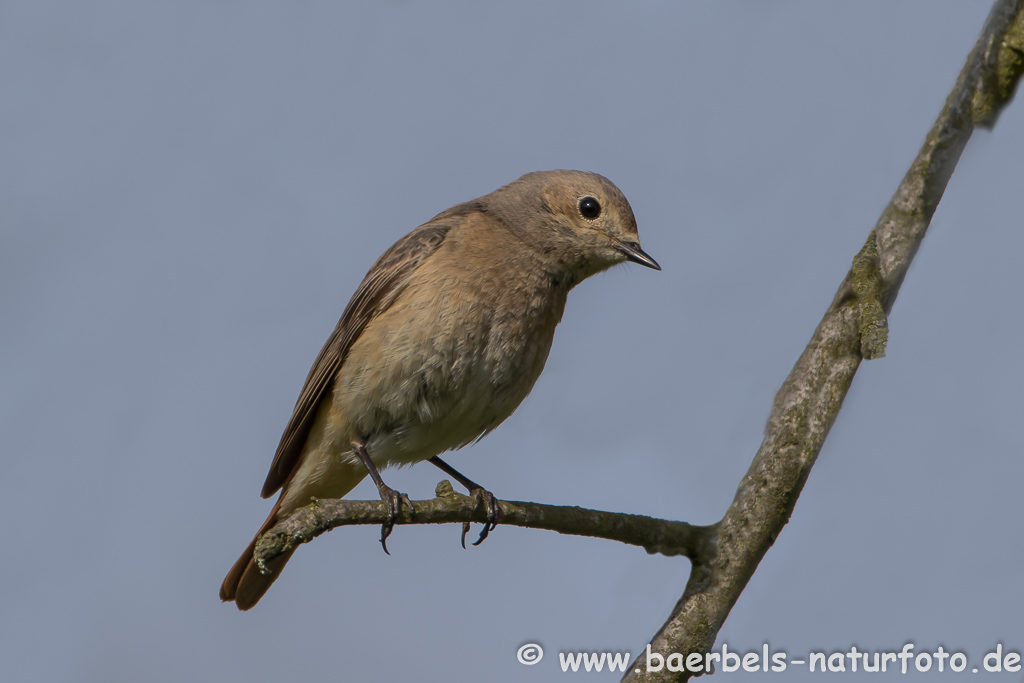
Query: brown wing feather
[(382, 284)]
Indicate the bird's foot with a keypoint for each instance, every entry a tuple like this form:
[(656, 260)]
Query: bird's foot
[(392, 500), (487, 499)]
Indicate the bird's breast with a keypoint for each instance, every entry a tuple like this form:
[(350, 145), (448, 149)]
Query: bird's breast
[(448, 361)]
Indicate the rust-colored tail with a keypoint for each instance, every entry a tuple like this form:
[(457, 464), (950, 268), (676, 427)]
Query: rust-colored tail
[(244, 584)]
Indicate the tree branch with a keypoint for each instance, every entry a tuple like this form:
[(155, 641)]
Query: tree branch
[(854, 326), (654, 535)]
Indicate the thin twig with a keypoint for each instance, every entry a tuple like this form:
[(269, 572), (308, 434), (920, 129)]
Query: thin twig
[(662, 536)]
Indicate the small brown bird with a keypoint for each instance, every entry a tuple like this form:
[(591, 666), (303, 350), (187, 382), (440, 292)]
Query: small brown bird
[(443, 339)]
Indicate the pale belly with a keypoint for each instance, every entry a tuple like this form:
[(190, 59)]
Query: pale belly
[(438, 376)]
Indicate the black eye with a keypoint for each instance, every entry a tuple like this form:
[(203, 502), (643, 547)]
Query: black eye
[(590, 208)]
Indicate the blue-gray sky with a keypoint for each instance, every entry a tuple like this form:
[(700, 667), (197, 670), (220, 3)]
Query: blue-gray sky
[(191, 191)]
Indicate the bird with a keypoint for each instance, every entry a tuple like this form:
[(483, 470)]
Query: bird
[(443, 339)]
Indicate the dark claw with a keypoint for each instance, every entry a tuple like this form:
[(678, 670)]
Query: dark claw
[(393, 500), (486, 498), (482, 495)]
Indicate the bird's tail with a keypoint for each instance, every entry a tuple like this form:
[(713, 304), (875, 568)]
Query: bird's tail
[(244, 584)]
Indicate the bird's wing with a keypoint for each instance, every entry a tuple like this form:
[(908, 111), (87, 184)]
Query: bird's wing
[(386, 279)]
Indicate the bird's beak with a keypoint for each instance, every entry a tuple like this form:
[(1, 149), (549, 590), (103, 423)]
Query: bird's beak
[(635, 254)]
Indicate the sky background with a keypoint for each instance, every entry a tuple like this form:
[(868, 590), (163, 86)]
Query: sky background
[(191, 191)]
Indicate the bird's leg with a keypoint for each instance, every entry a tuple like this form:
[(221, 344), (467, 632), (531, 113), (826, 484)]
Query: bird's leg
[(391, 498), (482, 495)]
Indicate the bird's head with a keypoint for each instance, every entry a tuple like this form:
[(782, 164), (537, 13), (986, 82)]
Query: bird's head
[(579, 222)]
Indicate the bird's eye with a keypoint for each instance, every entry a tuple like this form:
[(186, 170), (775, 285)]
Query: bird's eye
[(590, 208)]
